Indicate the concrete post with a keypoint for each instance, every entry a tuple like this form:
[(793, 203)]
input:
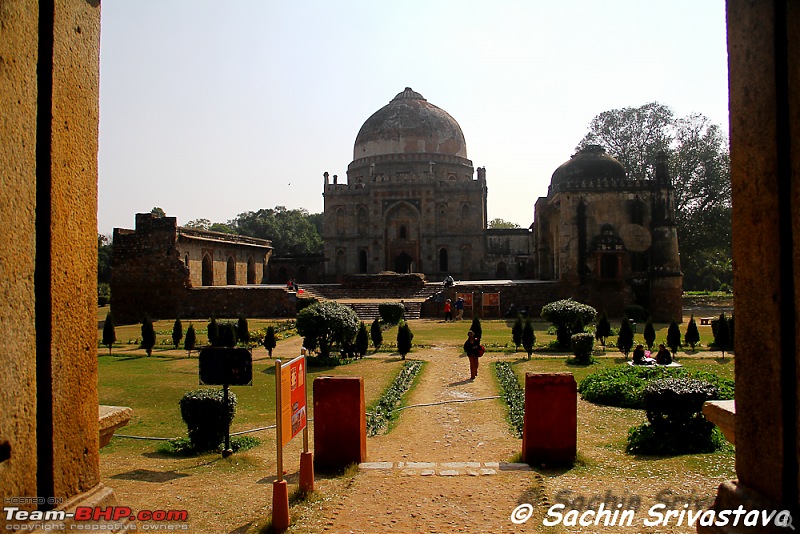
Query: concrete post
[(340, 422), (550, 434)]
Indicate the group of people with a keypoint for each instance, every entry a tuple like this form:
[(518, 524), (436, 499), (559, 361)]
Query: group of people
[(642, 357), (448, 309)]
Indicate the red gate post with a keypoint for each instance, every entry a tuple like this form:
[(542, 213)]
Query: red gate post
[(340, 422), (550, 433)]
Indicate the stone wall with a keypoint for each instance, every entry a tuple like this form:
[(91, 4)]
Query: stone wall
[(530, 295)]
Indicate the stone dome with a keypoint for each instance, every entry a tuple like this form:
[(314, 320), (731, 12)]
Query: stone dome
[(409, 124), (590, 163)]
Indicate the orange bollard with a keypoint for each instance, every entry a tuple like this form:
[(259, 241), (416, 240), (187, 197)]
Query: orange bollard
[(280, 506), (307, 472)]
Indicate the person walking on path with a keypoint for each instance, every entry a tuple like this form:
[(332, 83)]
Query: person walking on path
[(472, 346), (459, 305), (448, 314)]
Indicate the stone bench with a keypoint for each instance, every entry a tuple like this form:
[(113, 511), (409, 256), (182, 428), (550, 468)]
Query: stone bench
[(723, 414), (112, 418)]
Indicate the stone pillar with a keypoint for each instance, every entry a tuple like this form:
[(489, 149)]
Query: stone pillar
[(49, 83), (340, 422), (550, 433), (764, 73)]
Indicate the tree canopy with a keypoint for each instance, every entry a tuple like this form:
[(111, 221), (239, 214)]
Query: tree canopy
[(501, 223), (700, 168), (292, 231)]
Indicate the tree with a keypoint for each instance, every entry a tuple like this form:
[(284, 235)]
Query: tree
[(200, 224), (109, 335), (328, 323), (404, 337), (528, 337), (243, 329), (516, 332), (362, 339), (673, 337), (269, 340), (649, 333), (567, 315), (722, 336), (376, 334), (105, 251), (291, 231), (625, 337), (213, 332), (177, 333), (692, 335), (148, 336), (602, 330), (476, 327), (500, 223), (191, 340), (158, 212)]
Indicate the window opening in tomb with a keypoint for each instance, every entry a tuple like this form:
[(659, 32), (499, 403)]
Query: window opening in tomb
[(251, 270), (208, 271), (443, 260), (465, 212), (609, 264), (362, 220), (403, 263), (341, 261), (231, 278), (340, 230), (637, 211), (502, 270), (186, 260), (362, 261), (403, 232)]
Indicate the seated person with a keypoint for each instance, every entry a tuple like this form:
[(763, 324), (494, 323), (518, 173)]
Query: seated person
[(664, 356), (638, 355), (448, 281)]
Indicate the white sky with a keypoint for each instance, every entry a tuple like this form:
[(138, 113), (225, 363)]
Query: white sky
[(209, 109)]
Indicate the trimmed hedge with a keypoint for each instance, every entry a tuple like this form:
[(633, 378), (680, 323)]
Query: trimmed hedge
[(204, 412), (391, 312), (513, 394), (384, 411), (623, 386)]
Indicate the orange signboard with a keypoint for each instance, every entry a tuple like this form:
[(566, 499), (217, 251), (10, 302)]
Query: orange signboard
[(293, 399), (491, 299), (467, 298)]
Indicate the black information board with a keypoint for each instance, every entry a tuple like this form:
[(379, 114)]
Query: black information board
[(230, 366)]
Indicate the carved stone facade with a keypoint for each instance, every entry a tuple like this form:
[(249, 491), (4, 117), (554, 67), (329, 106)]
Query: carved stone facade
[(412, 202), (610, 240)]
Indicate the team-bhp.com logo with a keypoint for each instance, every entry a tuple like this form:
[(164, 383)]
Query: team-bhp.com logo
[(657, 515), (36, 519)]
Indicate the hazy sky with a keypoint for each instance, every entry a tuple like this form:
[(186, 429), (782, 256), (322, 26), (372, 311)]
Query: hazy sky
[(210, 109)]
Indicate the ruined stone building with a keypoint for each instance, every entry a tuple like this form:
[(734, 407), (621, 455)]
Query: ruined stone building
[(160, 269)]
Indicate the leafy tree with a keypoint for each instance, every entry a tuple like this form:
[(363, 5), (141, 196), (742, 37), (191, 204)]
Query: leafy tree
[(516, 332), (476, 327), (673, 337), (362, 339), (602, 330), (722, 336), (227, 336), (692, 335), (567, 315), (649, 333), (109, 335), (291, 231), (376, 334), (148, 336), (213, 332), (404, 337), (158, 212), (105, 251), (177, 333), (310, 342), (328, 323), (528, 337), (191, 339), (199, 224), (243, 329), (269, 340), (625, 337), (500, 223)]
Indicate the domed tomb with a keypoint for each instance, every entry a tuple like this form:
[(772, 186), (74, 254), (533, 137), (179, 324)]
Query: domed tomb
[(589, 163), (409, 124)]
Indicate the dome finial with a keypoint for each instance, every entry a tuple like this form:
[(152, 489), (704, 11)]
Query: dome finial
[(408, 93)]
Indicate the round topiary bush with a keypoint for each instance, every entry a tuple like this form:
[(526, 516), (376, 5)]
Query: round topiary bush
[(582, 345), (206, 416)]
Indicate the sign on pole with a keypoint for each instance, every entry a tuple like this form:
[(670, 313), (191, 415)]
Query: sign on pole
[(293, 398)]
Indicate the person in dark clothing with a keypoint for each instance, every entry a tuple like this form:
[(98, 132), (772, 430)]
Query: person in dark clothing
[(472, 346), (664, 356), (638, 355)]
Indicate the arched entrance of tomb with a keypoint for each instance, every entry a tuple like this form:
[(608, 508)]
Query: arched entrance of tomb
[(231, 278), (402, 238), (251, 270), (208, 270)]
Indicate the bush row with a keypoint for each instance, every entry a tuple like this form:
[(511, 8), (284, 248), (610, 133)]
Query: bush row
[(385, 409), (513, 394)]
